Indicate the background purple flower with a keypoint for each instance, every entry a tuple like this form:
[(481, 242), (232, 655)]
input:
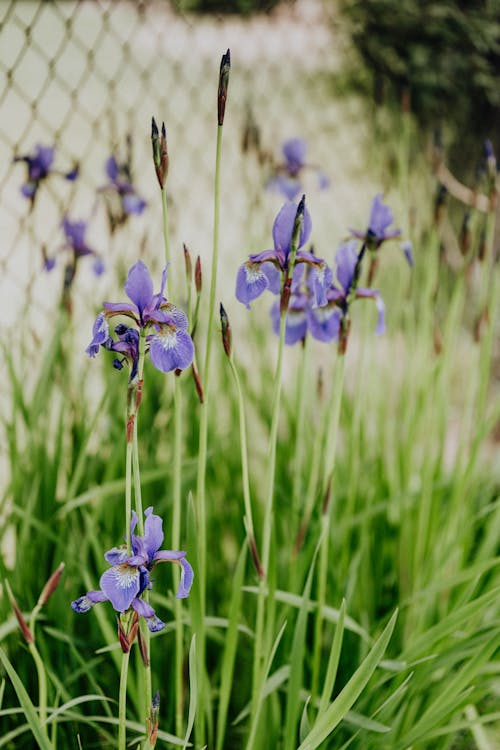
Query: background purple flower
[(39, 165), (378, 230), (287, 174)]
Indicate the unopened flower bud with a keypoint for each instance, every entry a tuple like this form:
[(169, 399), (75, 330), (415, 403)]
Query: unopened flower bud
[(143, 648), (198, 384), (298, 223), (465, 237), (197, 275), (225, 67), (187, 263), (152, 728), (226, 331), (51, 585), (28, 636), (160, 152)]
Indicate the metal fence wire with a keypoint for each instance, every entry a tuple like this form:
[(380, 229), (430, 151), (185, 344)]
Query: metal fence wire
[(86, 77)]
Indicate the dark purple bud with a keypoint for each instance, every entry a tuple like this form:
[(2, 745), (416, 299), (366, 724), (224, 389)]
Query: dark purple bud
[(225, 67), (187, 263), (143, 649), (198, 384), (164, 153), (226, 331), (28, 636), (51, 585), (298, 223), (465, 237), (197, 275)]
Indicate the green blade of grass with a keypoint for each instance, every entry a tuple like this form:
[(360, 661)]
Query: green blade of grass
[(26, 704), (334, 714)]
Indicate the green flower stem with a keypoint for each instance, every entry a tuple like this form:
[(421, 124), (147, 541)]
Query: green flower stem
[(260, 648), (122, 703), (42, 684), (244, 456), (300, 441), (166, 243), (176, 544), (332, 438), (128, 494), (148, 693), (202, 460), (177, 495)]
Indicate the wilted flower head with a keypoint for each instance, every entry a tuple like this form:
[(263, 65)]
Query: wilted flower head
[(167, 339), (39, 164), (266, 270), (287, 174), (129, 575)]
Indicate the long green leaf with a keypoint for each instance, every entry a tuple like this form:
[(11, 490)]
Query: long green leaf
[(26, 704), (334, 714)]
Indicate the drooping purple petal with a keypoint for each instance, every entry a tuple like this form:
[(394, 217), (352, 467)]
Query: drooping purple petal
[(29, 189), (407, 249), (170, 314), (42, 162), (251, 281), (273, 277), (289, 187), (323, 180), (294, 151), (86, 602), (116, 556), (154, 624), (324, 323), (100, 334), (121, 585), (346, 259), (75, 234), (139, 286), (379, 302), (49, 263), (187, 577), (320, 279), (98, 266), (120, 307), (171, 349), (153, 532), (133, 203), (112, 168), (143, 608), (295, 326), (283, 227)]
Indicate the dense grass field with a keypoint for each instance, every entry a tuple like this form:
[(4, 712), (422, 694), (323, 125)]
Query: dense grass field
[(338, 500)]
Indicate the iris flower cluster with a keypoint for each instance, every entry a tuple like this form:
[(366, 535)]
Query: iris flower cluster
[(320, 300), (287, 178), (125, 582), (167, 339), (122, 199), (40, 165), (268, 269)]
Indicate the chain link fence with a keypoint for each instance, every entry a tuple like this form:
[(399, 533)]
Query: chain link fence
[(86, 77)]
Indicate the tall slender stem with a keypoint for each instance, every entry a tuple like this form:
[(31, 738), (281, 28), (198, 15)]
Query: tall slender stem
[(122, 703), (202, 455), (334, 410), (259, 646)]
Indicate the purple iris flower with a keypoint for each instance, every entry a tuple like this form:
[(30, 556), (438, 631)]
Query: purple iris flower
[(168, 341), (120, 184), (39, 165), (341, 295), (287, 179), (304, 314), (129, 575), (75, 232), (266, 270), (378, 230)]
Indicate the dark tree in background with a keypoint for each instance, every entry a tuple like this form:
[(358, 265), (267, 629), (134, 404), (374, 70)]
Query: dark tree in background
[(445, 53)]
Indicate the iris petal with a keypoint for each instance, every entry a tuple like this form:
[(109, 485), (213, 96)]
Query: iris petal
[(139, 286), (121, 585)]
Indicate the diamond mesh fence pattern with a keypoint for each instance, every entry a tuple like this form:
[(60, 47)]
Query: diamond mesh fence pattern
[(85, 76)]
